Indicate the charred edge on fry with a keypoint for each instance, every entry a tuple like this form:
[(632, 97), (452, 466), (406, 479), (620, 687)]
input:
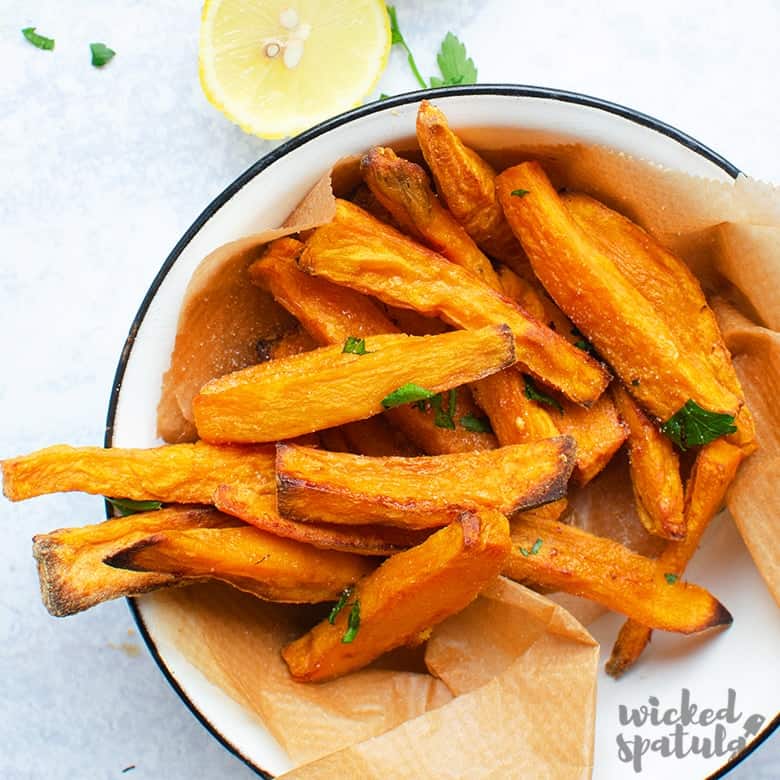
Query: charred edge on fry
[(124, 559), (556, 487)]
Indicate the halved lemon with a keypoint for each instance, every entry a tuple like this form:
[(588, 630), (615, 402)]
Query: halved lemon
[(276, 67)]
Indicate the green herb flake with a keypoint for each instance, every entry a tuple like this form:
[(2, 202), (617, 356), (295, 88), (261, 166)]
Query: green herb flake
[(445, 417), (398, 38), (634, 383), (692, 426), (455, 65), (406, 394), (384, 96), (532, 392), (533, 551), (476, 424), (520, 193), (353, 624), (39, 41), (101, 54), (355, 346), (126, 506), (671, 578), (339, 605)]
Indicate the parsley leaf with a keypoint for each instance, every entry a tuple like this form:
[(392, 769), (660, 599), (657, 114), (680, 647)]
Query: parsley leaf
[(671, 578), (343, 598), (445, 418), (406, 394), (353, 624), (476, 424), (455, 65), (355, 346), (101, 54), (39, 41), (582, 343), (534, 394), (634, 383), (533, 551), (692, 426), (126, 506), (520, 193), (397, 37)]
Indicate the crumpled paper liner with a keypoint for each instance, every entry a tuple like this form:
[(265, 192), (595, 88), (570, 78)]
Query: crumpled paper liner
[(515, 695)]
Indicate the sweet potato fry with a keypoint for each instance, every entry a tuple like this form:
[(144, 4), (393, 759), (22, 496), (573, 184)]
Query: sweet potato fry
[(72, 574), (560, 557), (426, 492), (714, 470), (260, 511), (587, 285), (327, 387), (260, 563), (332, 313), (376, 437), (466, 183), (655, 471), (404, 189), (407, 595), (414, 323), (292, 343), (176, 473), (671, 288), (358, 251)]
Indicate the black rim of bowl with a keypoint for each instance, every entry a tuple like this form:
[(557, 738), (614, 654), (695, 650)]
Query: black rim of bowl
[(288, 146)]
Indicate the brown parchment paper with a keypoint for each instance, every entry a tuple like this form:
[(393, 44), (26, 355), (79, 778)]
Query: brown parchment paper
[(502, 701)]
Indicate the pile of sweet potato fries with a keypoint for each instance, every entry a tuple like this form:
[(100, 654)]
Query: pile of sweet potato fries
[(465, 347)]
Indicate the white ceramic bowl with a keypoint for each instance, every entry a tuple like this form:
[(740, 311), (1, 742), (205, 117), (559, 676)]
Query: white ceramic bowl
[(742, 658)]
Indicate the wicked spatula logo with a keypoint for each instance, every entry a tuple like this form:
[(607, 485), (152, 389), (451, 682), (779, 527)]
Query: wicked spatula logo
[(681, 728)]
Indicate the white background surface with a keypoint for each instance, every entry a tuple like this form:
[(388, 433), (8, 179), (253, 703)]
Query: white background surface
[(102, 171)]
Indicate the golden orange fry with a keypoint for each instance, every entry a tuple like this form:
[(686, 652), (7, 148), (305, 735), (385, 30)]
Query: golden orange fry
[(466, 183), (425, 492), (263, 564), (358, 251), (557, 556), (72, 574), (714, 470), (672, 289), (260, 511), (376, 437), (586, 284), (332, 313), (407, 595), (655, 471), (176, 473)]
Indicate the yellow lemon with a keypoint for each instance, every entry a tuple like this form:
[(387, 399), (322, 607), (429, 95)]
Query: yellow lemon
[(276, 67)]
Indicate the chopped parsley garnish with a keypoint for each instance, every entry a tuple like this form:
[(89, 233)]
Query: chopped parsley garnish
[(353, 623), (339, 605), (406, 394), (671, 578), (476, 424), (520, 193), (101, 54), (445, 417), (455, 65), (533, 551), (39, 41), (634, 383), (693, 426), (581, 342), (532, 392), (126, 506), (355, 346)]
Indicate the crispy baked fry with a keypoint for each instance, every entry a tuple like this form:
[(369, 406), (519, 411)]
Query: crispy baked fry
[(714, 470), (407, 595), (72, 574), (427, 492), (327, 387), (622, 324), (574, 561), (655, 471), (332, 313), (176, 473), (466, 183), (260, 563), (673, 290), (404, 189), (363, 253), (260, 511)]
